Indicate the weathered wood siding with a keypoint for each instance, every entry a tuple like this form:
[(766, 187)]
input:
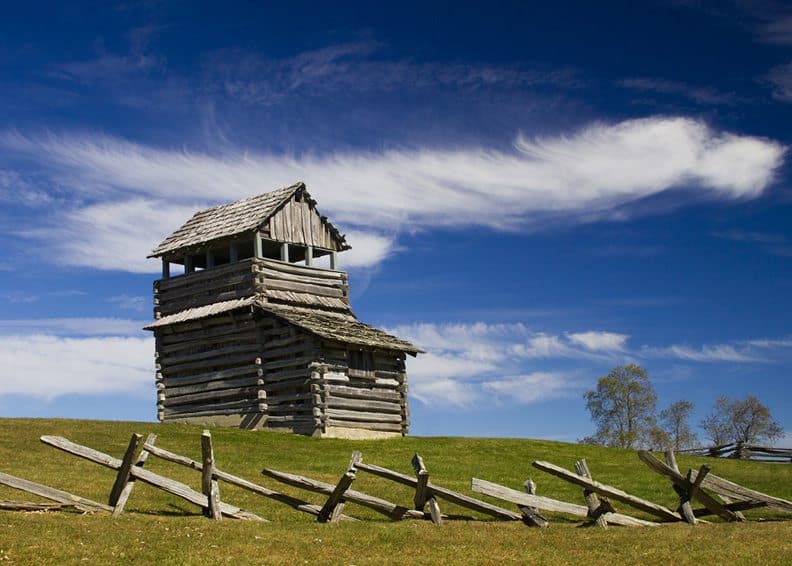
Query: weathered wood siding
[(209, 367), (346, 399), (255, 363), (299, 222), (279, 282), (287, 354)]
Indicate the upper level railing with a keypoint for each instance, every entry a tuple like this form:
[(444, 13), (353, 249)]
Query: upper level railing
[(275, 281)]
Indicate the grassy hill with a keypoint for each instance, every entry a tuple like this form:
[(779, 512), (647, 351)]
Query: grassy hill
[(157, 527)]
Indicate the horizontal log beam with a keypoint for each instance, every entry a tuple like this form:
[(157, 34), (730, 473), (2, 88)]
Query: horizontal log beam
[(608, 491), (387, 508), (725, 487), (433, 490), (47, 492), (294, 502), (166, 484), (553, 505)]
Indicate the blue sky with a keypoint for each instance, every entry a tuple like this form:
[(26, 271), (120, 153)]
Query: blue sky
[(533, 193)]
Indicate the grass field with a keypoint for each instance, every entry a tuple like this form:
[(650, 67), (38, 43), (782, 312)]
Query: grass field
[(161, 528)]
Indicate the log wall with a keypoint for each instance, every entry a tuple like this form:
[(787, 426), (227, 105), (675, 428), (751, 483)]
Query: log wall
[(209, 367), (259, 369), (280, 282), (287, 353), (345, 400)]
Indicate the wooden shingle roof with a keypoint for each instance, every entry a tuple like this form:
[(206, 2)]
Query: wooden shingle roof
[(230, 220), (339, 327), (342, 329)]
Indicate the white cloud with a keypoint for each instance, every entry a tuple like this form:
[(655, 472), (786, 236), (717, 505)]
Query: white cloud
[(465, 362), (137, 194), (74, 327), (707, 353), (599, 340), (533, 387), (369, 249), (128, 302), (47, 367), (771, 343), (444, 391)]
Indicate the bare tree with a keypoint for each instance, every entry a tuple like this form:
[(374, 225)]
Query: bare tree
[(674, 422), (745, 420), (622, 407)]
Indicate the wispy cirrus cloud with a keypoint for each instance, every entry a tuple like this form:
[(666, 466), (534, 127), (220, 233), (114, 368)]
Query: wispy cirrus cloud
[(73, 327), (780, 78), (707, 353), (700, 94), (583, 177), (355, 67), (776, 28)]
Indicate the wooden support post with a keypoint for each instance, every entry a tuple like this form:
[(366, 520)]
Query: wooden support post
[(210, 259), (165, 268), (334, 505), (453, 496), (258, 245), (685, 509), (53, 494), (166, 484), (127, 489), (334, 260), (422, 493), (308, 255), (123, 472), (284, 251), (596, 510), (688, 485), (608, 491), (531, 515), (188, 264), (233, 253), (209, 485)]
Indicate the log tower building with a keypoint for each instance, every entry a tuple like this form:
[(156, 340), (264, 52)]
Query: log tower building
[(254, 334)]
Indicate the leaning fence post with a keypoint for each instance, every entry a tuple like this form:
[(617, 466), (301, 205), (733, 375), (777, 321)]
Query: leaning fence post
[(208, 479), (531, 515), (126, 467), (126, 491), (596, 509), (684, 497), (334, 506)]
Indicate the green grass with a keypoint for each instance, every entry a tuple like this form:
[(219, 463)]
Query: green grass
[(161, 528)]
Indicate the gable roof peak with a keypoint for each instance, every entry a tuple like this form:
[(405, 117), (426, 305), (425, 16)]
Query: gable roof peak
[(231, 219)]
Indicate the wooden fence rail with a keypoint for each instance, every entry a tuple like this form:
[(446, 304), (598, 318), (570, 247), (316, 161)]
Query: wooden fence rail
[(718, 496)]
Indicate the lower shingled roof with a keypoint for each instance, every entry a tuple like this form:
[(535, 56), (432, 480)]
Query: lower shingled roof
[(340, 327)]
